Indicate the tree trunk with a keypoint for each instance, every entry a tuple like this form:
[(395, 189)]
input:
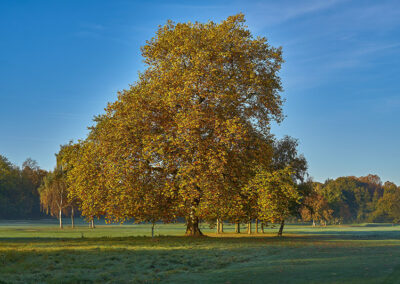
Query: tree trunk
[(192, 227), (72, 218), (152, 230), (249, 228), (60, 218), (313, 223), (256, 226), (218, 227), (281, 228), (91, 224), (237, 228), (262, 227)]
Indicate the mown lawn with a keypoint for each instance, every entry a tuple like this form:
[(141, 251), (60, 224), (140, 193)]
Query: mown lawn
[(41, 253)]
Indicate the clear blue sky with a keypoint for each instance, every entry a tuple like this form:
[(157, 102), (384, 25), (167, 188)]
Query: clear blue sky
[(62, 61)]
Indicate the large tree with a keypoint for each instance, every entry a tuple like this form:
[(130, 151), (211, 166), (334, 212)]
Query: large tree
[(189, 132)]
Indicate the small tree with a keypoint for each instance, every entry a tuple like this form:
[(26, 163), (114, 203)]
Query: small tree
[(84, 178), (53, 194), (276, 192), (315, 208)]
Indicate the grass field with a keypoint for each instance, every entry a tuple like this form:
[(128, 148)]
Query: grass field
[(38, 252)]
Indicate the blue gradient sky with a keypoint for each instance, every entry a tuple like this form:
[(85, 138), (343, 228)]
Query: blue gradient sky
[(62, 61)]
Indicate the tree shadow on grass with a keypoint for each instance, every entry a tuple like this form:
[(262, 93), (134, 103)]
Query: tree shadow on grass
[(353, 235), (242, 238), (292, 259)]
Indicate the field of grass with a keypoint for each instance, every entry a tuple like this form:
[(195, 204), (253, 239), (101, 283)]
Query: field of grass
[(38, 252)]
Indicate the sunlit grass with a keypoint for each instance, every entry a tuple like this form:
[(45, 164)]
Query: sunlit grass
[(126, 254)]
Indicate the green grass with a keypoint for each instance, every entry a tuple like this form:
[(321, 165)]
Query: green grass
[(40, 253)]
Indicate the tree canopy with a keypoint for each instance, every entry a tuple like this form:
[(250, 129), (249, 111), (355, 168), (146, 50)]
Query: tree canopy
[(191, 128)]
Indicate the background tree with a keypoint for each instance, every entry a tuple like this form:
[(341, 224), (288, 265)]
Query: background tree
[(9, 189), (251, 199), (276, 191), (286, 155), (32, 176), (54, 195), (353, 199), (388, 207), (84, 178), (19, 198), (315, 207)]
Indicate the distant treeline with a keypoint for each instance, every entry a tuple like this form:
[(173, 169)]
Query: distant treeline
[(361, 199), (19, 197), (349, 199)]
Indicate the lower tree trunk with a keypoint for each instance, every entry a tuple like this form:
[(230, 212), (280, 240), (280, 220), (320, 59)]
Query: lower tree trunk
[(218, 227), (152, 230), (237, 228), (72, 218), (192, 227), (60, 218), (313, 223), (256, 226), (91, 224), (262, 227), (281, 228), (249, 228)]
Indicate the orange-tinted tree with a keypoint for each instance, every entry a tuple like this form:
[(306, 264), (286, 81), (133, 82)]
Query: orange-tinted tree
[(188, 133), (315, 207), (53, 194)]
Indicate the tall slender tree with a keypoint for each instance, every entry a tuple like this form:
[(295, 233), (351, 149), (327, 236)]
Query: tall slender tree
[(54, 195)]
